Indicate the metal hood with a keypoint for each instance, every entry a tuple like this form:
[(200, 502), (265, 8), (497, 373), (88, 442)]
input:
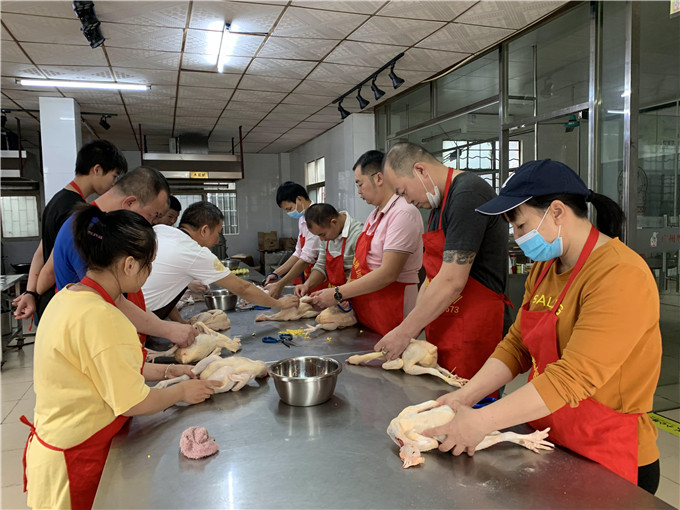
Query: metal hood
[(189, 159)]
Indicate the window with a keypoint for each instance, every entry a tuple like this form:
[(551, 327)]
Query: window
[(222, 195), (315, 178), (477, 157), (20, 216)]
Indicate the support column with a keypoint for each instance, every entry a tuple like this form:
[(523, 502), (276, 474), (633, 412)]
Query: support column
[(60, 136)]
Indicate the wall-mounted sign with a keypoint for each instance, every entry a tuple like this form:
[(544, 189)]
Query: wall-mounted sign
[(198, 175)]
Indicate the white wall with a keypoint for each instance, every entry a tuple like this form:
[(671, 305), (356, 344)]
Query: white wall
[(341, 147)]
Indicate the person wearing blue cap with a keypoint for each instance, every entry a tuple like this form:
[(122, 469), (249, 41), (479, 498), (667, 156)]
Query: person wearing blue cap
[(462, 305), (588, 332)]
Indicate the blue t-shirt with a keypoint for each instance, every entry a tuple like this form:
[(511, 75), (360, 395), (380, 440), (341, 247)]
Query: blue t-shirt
[(69, 266)]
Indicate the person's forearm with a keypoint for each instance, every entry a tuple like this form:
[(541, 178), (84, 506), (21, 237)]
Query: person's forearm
[(493, 374), (315, 279), (520, 406), (296, 270), (373, 281), (434, 301), (37, 264), (144, 321), (284, 268), (46, 279), (247, 291), (156, 401), (174, 315), (154, 371)]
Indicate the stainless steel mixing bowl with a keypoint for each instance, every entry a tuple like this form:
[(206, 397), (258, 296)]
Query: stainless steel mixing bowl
[(220, 299), (305, 381)]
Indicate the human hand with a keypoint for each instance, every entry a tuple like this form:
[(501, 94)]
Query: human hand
[(301, 290), (274, 289), (196, 390), (181, 334), (25, 306), (196, 287), (452, 399), (179, 371), (393, 344), (271, 278), (324, 298), (288, 302), (462, 434)]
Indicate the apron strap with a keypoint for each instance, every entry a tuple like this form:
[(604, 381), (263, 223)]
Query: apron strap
[(32, 434), (77, 188), (587, 249), (449, 178)]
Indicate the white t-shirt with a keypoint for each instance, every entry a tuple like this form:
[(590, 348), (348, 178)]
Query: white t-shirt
[(179, 260)]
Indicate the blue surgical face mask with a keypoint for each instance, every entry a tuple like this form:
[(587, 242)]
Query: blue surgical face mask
[(536, 248), (295, 214)]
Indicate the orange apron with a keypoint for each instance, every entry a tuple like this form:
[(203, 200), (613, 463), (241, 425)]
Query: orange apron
[(85, 461), (591, 429), (335, 269), (470, 328), (382, 310)]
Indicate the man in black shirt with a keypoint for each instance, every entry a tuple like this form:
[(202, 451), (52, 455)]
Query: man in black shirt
[(98, 165), (461, 306)]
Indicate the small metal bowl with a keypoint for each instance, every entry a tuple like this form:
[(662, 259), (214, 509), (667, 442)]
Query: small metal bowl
[(305, 381), (232, 264), (220, 299)]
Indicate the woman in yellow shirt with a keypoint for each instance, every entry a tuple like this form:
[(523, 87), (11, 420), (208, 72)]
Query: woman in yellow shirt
[(588, 331), (88, 376)]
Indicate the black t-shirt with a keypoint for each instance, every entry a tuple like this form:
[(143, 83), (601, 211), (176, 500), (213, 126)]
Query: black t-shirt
[(467, 230), (56, 212)]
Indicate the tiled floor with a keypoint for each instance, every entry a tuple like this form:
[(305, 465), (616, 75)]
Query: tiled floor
[(18, 398)]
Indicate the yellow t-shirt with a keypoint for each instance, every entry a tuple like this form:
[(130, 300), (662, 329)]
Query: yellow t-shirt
[(608, 336), (87, 371)]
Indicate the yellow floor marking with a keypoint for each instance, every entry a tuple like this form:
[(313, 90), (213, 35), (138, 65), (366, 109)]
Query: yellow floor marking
[(666, 424)]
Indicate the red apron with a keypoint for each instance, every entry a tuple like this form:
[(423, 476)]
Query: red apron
[(591, 429), (308, 270), (382, 310), (79, 191), (335, 269), (85, 461), (471, 327)]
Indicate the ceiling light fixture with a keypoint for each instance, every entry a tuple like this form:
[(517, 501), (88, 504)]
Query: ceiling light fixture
[(363, 103), (376, 91), (226, 45), (343, 113), (103, 123), (82, 84), (91, 26)]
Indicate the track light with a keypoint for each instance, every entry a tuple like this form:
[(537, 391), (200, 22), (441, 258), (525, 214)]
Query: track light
[(103, 123), (343, 113), (376, 91), (91, 28), (362, 102), (396, 81)]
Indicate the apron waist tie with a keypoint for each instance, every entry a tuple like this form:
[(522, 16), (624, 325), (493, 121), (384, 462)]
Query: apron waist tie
[(31, 434)]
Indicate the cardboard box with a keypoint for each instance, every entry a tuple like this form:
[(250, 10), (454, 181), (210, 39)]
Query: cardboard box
[(287, 243), (267, 241)]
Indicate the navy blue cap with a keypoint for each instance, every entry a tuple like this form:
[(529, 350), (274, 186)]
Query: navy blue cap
[(535, 179)]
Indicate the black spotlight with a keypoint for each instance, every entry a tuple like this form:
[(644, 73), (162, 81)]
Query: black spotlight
[(376, 91), (396, 81), (90, 24), (343, 113), (103, 123), (4, 120), (362, 102)]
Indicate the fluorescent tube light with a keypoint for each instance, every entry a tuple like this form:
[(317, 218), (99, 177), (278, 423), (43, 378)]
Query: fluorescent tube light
[(226, 47), (82, 84)]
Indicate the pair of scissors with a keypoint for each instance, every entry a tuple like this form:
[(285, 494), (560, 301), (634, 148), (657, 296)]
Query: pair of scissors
[(285, 338), (343, 310)]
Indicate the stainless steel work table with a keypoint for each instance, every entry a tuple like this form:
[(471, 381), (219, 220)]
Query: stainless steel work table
[(337, 454)]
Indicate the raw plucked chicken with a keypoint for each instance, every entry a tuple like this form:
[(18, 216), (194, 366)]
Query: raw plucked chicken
[(234, 373), (333, 318), (303, 311), (419, 357), (214, 319), (196, 443), (207, 342), (406, 431)]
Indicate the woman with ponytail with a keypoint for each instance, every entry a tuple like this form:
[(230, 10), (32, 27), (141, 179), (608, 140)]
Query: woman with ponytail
[(88, 376), (588, 332)]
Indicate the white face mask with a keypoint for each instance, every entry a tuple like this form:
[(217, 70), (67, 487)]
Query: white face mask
[(434, 199)]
